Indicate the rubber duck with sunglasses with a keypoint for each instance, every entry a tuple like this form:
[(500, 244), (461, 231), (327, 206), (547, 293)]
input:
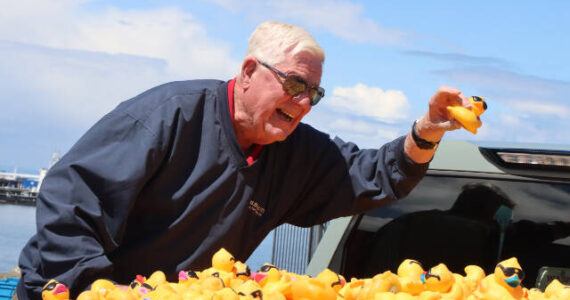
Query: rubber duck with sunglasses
[(504, 283)]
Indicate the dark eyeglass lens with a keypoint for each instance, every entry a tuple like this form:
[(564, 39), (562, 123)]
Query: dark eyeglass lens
[(192, 274), (147, 286), (294, 86), (511, 271), (313, 93), (266, 268), (319, 94)]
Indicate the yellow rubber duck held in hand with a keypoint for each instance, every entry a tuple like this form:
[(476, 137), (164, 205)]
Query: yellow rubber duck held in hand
[(469, 118), (54, 290), (504, 283)]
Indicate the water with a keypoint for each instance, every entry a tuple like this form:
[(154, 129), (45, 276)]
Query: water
[(17, 225)]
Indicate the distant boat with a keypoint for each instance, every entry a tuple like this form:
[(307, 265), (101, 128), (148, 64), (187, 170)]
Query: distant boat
[(18, 188)]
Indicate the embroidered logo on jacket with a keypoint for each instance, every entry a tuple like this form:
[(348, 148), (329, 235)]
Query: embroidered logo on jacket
[(256, 208)]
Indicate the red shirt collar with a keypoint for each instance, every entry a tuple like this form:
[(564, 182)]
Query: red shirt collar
[(254, 154)]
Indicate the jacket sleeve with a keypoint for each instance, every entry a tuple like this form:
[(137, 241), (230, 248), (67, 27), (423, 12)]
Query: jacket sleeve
[(86, 197), (345, 180)]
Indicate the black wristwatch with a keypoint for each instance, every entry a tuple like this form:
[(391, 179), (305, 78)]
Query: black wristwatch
[(421, 143)]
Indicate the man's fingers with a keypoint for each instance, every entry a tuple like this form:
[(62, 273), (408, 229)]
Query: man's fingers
[(449, 96), (449, 125)]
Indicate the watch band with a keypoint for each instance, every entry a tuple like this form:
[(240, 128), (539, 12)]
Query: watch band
[(421, 143)]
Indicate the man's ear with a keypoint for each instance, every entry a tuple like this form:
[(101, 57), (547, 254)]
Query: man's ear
[(248, 67)]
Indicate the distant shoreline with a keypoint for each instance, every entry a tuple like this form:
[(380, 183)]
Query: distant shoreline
[(23, 202), (14, 272)]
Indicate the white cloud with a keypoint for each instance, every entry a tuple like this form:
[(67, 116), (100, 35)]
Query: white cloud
[(388, 106), (167, 33), (232, 5), (344, 124), (341, 18), (75, 64), (510, 120), (46, 23), (363, 133), (344, 19), (541, 108), (498, 83), (520, 129), (72, 86)]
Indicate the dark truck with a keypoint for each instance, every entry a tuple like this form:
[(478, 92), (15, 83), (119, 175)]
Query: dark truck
[(515, 203)]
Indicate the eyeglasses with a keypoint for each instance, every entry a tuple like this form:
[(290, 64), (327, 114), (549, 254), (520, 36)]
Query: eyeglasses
[(511, 271), (295, 85)]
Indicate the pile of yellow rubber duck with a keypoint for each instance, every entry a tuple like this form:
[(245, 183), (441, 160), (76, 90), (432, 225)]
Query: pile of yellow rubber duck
[(233, 280)]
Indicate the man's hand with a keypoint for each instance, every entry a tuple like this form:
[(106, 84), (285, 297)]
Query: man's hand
[(435, 122)]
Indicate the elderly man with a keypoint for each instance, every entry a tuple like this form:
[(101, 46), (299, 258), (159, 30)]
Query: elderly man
[(174, 174)]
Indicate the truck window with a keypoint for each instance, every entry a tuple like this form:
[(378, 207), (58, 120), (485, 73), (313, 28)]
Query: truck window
[(457, 221)]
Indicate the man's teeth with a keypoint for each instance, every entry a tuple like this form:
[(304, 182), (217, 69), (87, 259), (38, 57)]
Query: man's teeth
[(286, 114)]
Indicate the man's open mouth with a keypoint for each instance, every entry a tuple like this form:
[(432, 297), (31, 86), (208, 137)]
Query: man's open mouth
[(287, 116)]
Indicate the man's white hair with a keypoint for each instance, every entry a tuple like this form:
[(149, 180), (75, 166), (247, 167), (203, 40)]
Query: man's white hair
[(271, 41)]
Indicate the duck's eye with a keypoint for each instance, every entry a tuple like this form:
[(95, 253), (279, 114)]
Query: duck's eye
[(338, 282), (257, 294), (477, 99), (50, 286), (429, 274), (416, 262), (266, 268), (192, 274), (247, 272)]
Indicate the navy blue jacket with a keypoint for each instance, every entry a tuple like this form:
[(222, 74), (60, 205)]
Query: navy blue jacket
[(160, 183)]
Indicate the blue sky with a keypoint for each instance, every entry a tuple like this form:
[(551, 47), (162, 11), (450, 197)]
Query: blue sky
[(64, 64)]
